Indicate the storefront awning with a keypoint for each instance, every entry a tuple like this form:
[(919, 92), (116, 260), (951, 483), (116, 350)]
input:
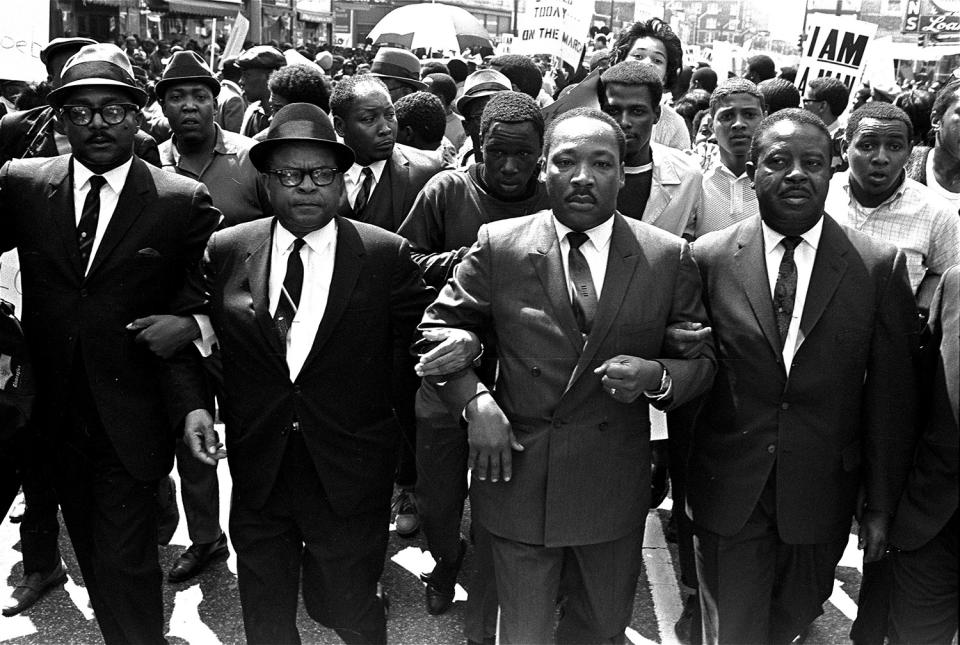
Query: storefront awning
[(113, 3), (312, 16), (206, 7)]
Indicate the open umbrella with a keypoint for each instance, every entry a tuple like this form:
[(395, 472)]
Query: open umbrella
[(439, 27)]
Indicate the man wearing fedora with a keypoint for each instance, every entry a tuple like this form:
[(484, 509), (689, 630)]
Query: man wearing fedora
[(478, 88), (310, 309), (103, 238), (255, 65), (381, 186), (201, 150), (36, 132), (399, 70)]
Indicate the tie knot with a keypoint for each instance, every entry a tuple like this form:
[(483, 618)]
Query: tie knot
[(366, 173), (791, 242), (577, 239), (298, 244), (97, 182)]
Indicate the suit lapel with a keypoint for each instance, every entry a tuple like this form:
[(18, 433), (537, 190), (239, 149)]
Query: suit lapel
[(751, 266), (660, 194), (62, 210), (258, 272), (622, 261), (346, 270), (130, 204), (549, 267), (829, 266)]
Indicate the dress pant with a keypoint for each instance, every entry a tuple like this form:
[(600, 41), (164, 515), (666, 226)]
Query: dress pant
[(873, 604), (40, 526), (923, 605), (405, 384), (9, 479), (200, 491), (297, 535), (756, 589), (111, 519), (594, 584), (680, 425)]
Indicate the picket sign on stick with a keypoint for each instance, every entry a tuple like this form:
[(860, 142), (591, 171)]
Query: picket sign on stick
[(556, 27), (835, 46), (24, 31)]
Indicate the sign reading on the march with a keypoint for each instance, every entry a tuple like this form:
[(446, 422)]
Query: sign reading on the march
[(931, 17), (834, 47), (556, 27), (24, 31)]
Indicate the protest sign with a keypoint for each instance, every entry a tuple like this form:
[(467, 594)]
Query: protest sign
[(24, 31), (556, 27), (237, 35), (837, 47)]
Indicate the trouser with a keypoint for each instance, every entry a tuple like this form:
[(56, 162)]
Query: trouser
[(873, 604), (594, 583), (405, 384), (923, 605), (200, 491), (40, 526), (680, 422), (756, 589), (297, 535)]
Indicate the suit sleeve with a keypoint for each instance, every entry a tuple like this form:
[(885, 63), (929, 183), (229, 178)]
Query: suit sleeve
[(691, 377), (890, 391), (424, 228), (409, 296), (8, 237)]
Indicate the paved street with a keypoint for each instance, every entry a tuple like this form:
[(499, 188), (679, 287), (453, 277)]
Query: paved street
[(206, 610)]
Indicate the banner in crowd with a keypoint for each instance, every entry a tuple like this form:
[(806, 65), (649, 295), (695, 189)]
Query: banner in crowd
[(24, 31), (556, 27), (835, 47), (237, 35)]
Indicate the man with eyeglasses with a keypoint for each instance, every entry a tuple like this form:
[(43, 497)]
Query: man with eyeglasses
[(103, 238), (827, 97), (310, 310)]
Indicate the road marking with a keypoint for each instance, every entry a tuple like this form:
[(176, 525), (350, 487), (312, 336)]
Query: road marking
[(842, 601), (79, 596), (417, 561), (662, 579), (185, 620), (852, 556)]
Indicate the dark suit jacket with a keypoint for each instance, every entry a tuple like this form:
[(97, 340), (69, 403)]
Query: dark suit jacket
[(156, 234), (406, 172), (844, 417), (29, 134), (930, 499), (342, 394), (584, 475)]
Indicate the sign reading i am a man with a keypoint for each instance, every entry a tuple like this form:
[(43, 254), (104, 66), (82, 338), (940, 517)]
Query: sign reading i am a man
[(835, 46)]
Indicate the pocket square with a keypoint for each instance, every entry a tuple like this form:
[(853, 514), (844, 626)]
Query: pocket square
[(149, 253)]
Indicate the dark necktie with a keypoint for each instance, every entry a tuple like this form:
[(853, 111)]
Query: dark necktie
[(290, 296), (785, 292), (363, 195), (89, 216), (584, 293)]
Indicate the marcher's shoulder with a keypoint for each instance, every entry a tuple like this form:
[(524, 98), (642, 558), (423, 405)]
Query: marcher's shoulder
[(170, 183), (242, 236), (37, 170), (718, 242), (373, 237), (685, 164), (22, 120), (508, 230), (445, 180), (870, 250), (418, 159), (940, 207), (235, 142)]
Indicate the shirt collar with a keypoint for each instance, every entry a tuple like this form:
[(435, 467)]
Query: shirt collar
[(599, 234), (353, 172), (220, 147), (317, 240), (771, 238), (115, 177), (718, 167), (843, 180)]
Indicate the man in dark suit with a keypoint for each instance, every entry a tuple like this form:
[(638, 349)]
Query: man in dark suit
[(103, 239), (579, 298), (923, 606), (814, 398), (309, 311), (381, 186), (36, 133)]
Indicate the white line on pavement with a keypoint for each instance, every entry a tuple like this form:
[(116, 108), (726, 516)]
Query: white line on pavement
[(185, 620), (662, 579)]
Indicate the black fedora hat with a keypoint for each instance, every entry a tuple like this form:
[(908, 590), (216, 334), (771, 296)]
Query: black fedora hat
[(57, 45), (97, 65), (187, 67), (303, 122)]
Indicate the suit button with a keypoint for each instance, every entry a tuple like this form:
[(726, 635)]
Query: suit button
[(784, 406), (296, 389), (83, 293), (535, 371), (603, 425), (772, 448)]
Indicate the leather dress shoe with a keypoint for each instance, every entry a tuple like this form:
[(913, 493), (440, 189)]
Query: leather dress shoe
[(32, 588), (196, 558), (442, 582), (408, 517)]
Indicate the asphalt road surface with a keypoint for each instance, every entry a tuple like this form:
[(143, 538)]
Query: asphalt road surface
[(206, 609)]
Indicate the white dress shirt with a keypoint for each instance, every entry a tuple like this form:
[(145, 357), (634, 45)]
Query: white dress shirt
[(317, 255), (595, 251), (803, 257), (353, 180), (109, 195)]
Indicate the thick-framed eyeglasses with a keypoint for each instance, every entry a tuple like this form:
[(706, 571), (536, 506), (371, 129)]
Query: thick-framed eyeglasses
[(809, 101), (292, 177), (111, 114)]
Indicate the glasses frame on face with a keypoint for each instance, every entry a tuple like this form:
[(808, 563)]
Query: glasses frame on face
[(807, 101), (86, 118), (294, 176)]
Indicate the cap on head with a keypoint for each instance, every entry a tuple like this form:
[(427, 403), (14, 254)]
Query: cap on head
[(98, 65), (324, 60), (261, 57), (59, 45), (483, 82), (301, 122), (398, 64), (187, 67)]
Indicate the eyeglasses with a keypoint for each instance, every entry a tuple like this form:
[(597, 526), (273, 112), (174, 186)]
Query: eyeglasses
[(292, 177), (111, 114), (809, 101)]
